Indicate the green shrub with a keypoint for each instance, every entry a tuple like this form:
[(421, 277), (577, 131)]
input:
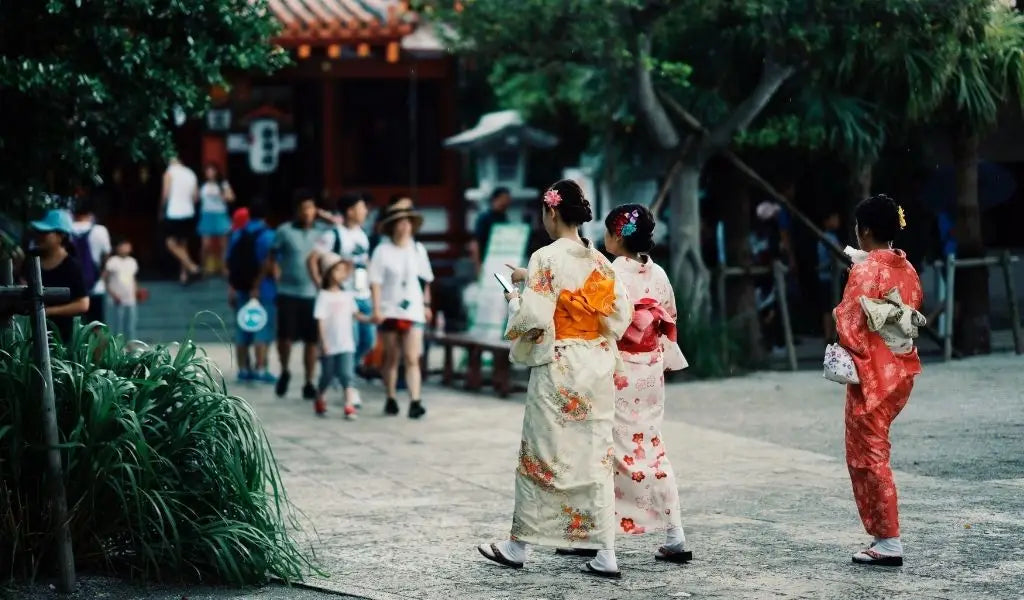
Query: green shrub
[(168, 477)]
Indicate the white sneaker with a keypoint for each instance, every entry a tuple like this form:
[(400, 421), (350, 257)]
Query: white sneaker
[(357, 400)]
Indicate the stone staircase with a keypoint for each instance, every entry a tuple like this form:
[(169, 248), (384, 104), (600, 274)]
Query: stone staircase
[(199, 312)]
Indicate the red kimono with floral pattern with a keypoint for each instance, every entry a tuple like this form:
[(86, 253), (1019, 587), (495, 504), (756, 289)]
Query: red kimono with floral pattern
[(886, 381)]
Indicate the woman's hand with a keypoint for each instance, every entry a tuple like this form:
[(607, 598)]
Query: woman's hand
[(519, 274), (535, 335), (510, 295), (377, 318)]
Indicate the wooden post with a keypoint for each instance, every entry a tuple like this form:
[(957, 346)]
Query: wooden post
[(54, 471), (720, 284), (787, 326), (947, 334), (1011, 294)]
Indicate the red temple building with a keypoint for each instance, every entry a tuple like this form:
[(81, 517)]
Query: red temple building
[(365, 106)]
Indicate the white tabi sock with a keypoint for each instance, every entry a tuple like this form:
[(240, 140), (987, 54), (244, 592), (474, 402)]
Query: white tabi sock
[(888, 546), (513, 550), (605, 561), (675, 539)]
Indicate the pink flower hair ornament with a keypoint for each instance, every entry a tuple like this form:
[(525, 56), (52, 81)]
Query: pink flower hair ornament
[(552, 198)]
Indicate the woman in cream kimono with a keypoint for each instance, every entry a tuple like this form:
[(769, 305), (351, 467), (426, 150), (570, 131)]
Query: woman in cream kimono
[(877, 322), (646, 496), (565, 325)]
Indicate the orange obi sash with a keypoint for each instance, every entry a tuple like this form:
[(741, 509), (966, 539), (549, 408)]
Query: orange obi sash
[(578, 314)]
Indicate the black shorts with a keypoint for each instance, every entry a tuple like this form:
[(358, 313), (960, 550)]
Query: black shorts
[(295, 320), (179, 229)]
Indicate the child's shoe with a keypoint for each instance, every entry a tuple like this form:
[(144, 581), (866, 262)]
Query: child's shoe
[(320, 405), (351, 414)]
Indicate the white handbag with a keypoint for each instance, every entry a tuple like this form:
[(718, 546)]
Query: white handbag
[(839, 365)]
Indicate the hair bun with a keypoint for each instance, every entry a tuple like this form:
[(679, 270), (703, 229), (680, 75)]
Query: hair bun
[(573, 207), (635, 223)]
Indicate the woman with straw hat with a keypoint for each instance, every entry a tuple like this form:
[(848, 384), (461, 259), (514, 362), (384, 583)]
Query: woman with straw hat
[(400, 277)]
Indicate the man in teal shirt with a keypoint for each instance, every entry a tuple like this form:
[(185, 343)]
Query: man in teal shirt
[(296, 292)]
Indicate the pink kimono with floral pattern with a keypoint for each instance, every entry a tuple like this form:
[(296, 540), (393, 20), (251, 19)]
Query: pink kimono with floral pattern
[(646, 497), (886, 382)]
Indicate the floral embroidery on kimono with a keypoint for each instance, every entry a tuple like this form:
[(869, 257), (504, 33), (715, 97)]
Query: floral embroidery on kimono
[(564, 482), (647, 498)]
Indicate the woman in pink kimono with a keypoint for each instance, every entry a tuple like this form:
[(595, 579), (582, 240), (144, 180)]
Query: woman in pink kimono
[(646, 496), (877, 322)]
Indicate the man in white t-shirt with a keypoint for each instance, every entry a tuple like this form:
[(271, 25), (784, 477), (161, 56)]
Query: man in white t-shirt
[(92, 244), (178, 212), (348, 240)]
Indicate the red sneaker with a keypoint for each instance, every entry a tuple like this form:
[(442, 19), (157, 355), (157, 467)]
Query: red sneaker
[(351, 414), (320, 405)]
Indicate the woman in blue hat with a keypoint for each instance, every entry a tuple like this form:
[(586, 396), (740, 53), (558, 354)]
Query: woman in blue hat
[(50, 238)]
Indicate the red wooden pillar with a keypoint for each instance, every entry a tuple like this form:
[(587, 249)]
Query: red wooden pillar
[(215, 151), (329, 99)]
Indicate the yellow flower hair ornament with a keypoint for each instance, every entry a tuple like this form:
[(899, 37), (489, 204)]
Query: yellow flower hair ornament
[(903, 217)]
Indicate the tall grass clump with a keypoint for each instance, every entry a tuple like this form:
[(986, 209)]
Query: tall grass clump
[(168, 476)]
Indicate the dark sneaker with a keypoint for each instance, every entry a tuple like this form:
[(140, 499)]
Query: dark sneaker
[(245, 375), (416, 410), (282, 384), (309, 392), (391, 407)]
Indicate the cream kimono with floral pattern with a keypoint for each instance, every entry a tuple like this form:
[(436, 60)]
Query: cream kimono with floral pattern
[(646, 496), (565, 326)]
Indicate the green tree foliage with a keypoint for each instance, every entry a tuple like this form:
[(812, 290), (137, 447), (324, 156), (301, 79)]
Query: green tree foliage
[(81, 79)]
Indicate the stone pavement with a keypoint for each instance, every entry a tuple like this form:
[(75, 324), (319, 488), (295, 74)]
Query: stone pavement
[(398, 506)]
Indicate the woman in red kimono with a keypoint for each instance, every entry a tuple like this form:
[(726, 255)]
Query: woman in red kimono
[(876, 322)]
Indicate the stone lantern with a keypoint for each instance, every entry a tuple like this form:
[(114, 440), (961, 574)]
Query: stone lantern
[(499, 143)]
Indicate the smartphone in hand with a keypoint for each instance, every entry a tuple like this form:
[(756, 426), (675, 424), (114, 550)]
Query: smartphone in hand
[(505, 283)]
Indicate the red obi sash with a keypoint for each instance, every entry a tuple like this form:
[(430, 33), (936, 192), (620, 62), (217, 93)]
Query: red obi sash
[(650, 322)]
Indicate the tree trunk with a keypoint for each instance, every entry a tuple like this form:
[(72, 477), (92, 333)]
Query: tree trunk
[(973, 325), (688, 273), (741, 301), (860, 189)]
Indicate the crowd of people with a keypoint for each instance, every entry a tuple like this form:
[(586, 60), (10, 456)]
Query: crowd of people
[(598, 337), (320, 285)]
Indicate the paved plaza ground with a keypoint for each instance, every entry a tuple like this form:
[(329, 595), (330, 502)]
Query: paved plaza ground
[(399, 506)]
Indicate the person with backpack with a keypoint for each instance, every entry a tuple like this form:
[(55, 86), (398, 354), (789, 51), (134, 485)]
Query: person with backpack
[(92, 247), (249, 277)]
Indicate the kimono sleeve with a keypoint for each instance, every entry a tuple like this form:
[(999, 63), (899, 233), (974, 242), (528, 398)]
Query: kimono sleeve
[(536, 306), (851, 324), (622, 312), (672, 353), (534, 310)]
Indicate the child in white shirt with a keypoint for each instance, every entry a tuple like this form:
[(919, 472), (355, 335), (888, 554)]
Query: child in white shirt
[(119, 276), (334, 311)]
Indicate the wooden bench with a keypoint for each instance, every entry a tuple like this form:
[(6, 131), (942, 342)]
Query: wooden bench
[(501, 373)]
